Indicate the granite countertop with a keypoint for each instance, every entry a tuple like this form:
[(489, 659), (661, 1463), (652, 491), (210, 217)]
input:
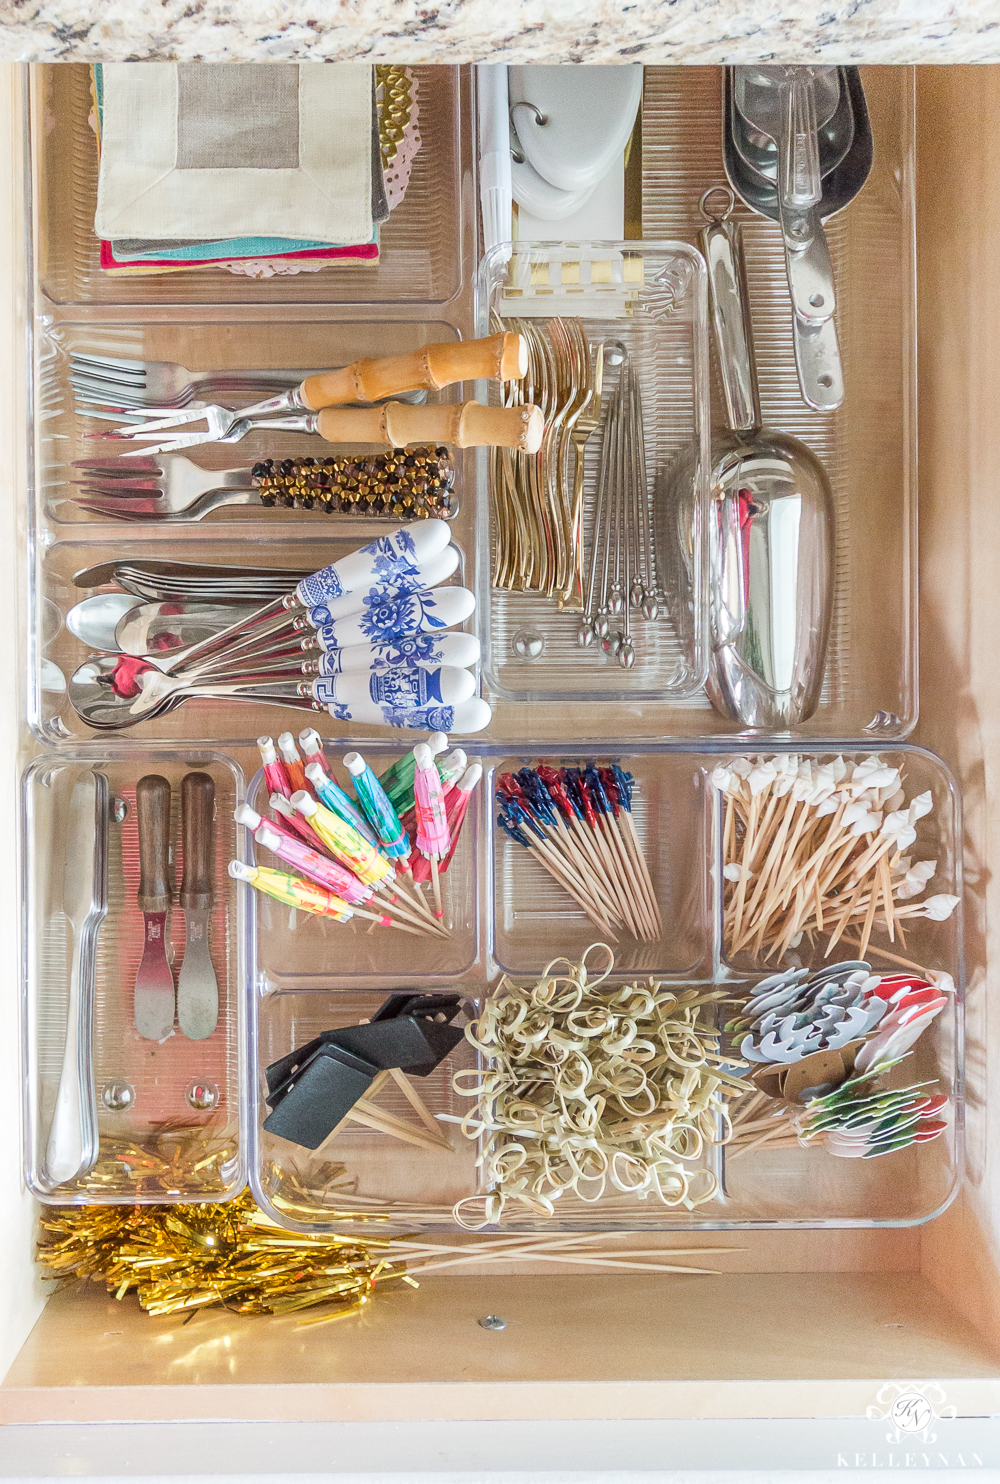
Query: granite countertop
[(655, 31)]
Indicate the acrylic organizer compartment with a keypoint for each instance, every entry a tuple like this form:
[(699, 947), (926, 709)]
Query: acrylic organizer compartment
[(57, 653), (169, 1115), (233, 344), (289, 948), (868, 445), (359, 1171), (935, 945), (805, 1185), (645, 303), (421, 244), (678, 819), (671, 814)]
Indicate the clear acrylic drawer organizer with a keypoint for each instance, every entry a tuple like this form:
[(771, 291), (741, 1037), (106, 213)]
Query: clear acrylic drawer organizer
[(508, 916), (171, 1113), (651, 298)]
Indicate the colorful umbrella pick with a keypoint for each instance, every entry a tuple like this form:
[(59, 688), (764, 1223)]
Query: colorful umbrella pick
[(319, 868), (329, 875), (352, 850), (433, 835), (344, 842), (457, 804), (296, 822), (293, 763), (251, 820), (297, 893), (275, 773), (292, 891), (329, 793), (450, 769), (312, 748), (451, 765), (397, 780), (377, 809)]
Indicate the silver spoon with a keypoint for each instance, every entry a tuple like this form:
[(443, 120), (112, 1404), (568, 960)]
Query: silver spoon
[(99, 705), (94, 620), (163, 628)]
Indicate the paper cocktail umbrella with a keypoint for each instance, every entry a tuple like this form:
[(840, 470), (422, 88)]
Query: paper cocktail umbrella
[(350, 848), (344, 841), (275, 773), (332, 796), (312, 748), (295, 892), (293, 762), (319, 868), (433, 835), (377, 809), (397, 780), (457, 805), (296, 822)]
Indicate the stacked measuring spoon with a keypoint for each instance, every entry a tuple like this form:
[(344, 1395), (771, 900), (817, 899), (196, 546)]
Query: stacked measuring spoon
[(365, 639)]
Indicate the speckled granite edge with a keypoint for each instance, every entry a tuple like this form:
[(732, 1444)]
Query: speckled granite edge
[(452, 31)]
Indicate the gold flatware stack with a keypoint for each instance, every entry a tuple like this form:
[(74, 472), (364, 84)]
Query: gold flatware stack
[(538, 504)]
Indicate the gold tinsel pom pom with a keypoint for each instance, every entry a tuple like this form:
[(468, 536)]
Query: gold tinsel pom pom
[(181, 1258)]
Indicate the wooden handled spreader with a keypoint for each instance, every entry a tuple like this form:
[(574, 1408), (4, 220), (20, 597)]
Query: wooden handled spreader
[(463, 424), (497, 358)]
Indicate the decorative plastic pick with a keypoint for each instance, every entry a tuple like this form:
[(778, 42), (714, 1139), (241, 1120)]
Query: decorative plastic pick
[(344, 841), (275, 773), (332, 796), (293, 763), (397, 780)]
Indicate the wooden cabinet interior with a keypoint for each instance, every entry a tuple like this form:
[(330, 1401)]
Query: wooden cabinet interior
[(801, 1323)]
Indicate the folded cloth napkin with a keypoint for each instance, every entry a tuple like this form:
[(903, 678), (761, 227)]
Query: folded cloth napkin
[(202, 151), (306, 261)]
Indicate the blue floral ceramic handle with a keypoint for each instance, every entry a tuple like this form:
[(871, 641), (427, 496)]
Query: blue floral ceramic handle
[(400, 688), (391, 616), (426, 575), (384, 560), (409, 650), (376, 593)]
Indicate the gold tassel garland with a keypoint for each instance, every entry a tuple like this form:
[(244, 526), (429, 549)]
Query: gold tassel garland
[(185, 1258)]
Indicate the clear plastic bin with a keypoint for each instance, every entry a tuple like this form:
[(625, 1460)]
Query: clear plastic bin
[(422, 243), (678, 817), (170, 1113), (652, 299)]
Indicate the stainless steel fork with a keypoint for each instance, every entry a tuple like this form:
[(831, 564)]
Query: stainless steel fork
[(115, 381), (175, 480), (153, 507)]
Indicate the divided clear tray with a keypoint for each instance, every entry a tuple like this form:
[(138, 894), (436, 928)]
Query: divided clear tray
[(169, 1113), (509, 917), (421, 243)]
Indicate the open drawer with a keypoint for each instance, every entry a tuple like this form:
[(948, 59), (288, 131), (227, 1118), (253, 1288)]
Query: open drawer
[(844, 1308)]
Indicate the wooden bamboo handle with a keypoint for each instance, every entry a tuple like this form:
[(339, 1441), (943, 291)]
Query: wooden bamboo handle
[(197, 824), (498, 357), (152, 803), (465, 424)]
